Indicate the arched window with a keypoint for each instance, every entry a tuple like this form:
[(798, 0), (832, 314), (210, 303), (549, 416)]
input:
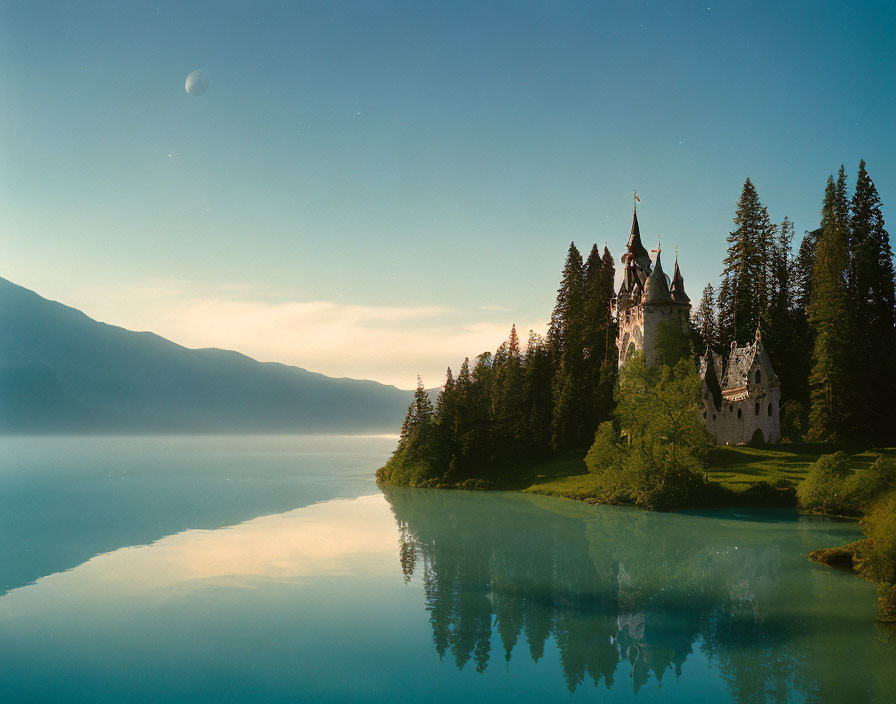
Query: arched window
[(704, 414), (739, 414), (758, 378), (731, 409), (769, 410), (756, 410)]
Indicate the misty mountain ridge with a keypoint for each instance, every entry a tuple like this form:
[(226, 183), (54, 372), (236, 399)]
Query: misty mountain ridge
[(63, 372)]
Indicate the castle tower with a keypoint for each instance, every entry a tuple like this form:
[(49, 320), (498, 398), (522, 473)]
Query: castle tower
[(647, 299)]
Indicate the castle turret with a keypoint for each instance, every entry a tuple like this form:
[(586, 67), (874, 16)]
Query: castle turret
[(635, 251), (657, 290), (644, 301), (677, 288)]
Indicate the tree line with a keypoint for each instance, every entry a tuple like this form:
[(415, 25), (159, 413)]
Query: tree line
[(519, 403), (827, 311)]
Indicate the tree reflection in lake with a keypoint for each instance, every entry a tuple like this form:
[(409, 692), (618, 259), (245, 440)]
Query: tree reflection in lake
[(628, 596)]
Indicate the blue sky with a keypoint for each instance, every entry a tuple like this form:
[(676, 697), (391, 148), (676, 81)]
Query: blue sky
[(376, 189)]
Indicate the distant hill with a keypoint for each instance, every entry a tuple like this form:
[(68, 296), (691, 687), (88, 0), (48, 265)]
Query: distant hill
[(63, 372)]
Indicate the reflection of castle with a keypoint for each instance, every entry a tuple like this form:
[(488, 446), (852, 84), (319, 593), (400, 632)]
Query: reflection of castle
[(626, 597), (745, 403)]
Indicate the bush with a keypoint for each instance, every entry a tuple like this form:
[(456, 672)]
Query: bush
[(662, 461), (868, 483), (832, 488), (877, 562), (823, 490)]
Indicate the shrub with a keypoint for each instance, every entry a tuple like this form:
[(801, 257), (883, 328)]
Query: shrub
[(877, 562), (832, 488), (823, 489), (662, 463), (606, 454), (869, 482)]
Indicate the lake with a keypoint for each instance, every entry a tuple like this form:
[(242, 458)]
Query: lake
[(269, 569)]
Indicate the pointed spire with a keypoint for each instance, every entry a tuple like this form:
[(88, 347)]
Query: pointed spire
[(677, 287), (656, 290), (635, 250)]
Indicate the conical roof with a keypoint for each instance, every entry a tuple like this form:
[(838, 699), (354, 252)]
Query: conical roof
[(677, 287), (635, 248), (656, 290)]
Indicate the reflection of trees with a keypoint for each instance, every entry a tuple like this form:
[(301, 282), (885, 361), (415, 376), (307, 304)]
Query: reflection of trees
[(625, 595)]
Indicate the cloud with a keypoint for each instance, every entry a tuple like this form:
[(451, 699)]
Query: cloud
[(390, 344)]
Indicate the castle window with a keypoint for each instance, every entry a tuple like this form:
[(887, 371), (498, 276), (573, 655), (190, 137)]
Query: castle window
[(756, 410), (704, 414), (739, 414), (769, 410), (713, 416), (731, 409), (758, 379)]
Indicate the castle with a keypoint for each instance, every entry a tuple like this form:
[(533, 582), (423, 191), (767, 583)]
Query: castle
[(741, 407)]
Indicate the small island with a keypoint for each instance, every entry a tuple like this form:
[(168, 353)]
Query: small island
[(761, 395)]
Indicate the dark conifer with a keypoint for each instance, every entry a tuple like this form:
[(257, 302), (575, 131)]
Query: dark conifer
[(829, 417), (537, 377), (423, 410), (567, 338), (780, 324), (744, 294), (704, 321), (569, 302), (871, 287)]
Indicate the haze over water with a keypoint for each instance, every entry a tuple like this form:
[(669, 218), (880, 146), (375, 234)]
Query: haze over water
[(274, 569)]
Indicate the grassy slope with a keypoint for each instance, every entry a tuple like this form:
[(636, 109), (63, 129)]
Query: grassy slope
[(735, 468)]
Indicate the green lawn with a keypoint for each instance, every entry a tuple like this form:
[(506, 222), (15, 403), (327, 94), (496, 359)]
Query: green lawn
[(738, 467), (735, 468)]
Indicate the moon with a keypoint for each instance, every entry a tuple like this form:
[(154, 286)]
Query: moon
[(196, 83)]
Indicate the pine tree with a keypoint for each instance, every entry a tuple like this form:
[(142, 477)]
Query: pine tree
[(704, 321), (779, 322), (606, 383), (829, 417), (569, 304), (802, 332), (508, 401), (744, 294), (538, 400), (423, 410), (566, 337), (420, 412), (870, 281)]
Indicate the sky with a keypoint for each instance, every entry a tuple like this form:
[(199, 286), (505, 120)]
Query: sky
[(378, 189)]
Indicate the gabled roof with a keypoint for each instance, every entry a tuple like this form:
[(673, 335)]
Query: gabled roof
[(738, 369), (737, 373)]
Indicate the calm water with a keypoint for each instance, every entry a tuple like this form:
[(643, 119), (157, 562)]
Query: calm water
[(273, 569)]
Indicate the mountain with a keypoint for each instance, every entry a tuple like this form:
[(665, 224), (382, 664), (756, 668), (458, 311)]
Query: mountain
[(63, 372)]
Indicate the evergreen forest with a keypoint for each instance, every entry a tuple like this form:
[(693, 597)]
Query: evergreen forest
[(826, 308), (827, 314)]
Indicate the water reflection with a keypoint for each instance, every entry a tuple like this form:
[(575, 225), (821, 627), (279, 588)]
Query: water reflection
[(630, 597), (340, 538)]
